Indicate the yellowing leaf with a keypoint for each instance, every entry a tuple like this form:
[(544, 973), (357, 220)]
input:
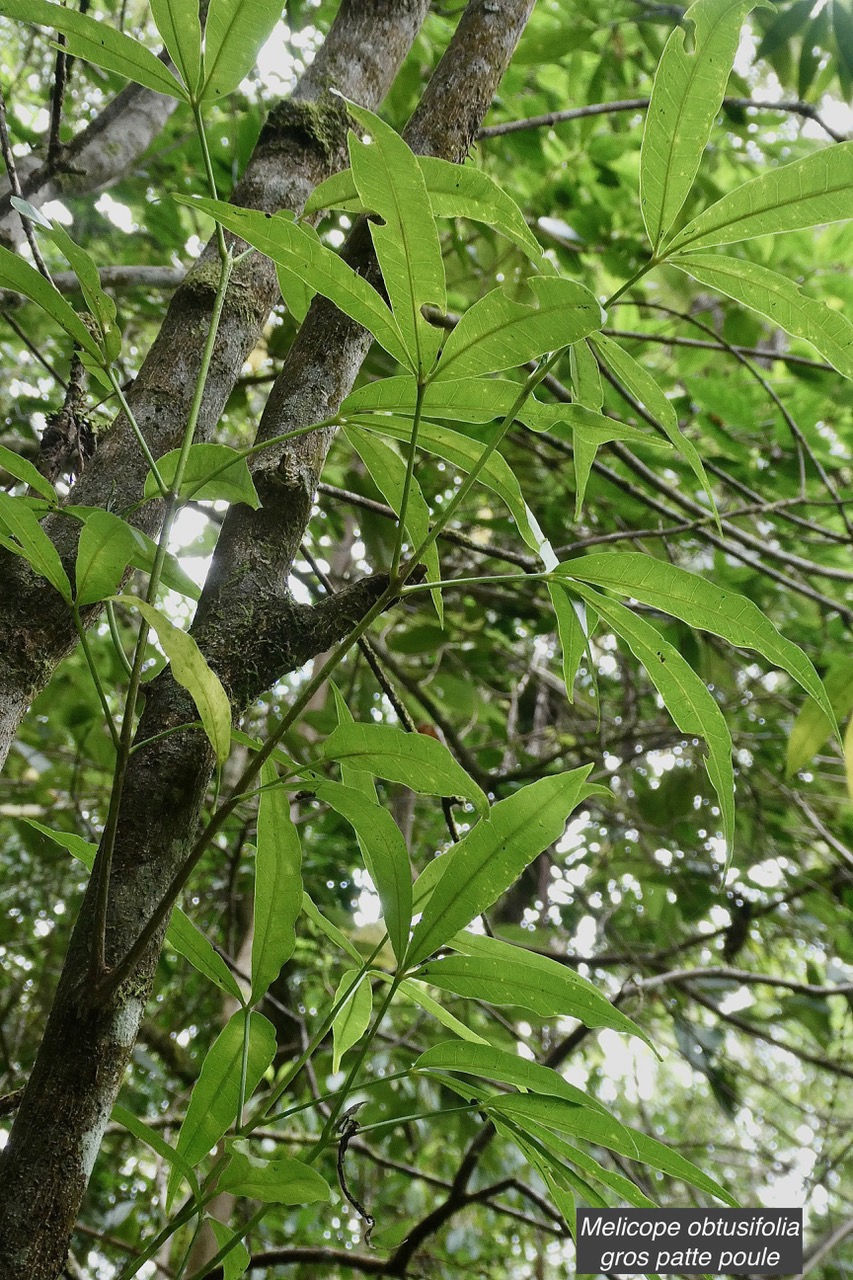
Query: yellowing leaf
[(191, 670), (353, 1017)]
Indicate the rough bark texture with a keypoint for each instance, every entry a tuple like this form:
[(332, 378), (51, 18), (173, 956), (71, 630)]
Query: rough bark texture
[(252, 633), (303, 141)]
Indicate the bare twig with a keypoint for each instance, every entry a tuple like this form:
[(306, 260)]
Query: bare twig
[(551, 118), (12, 173)]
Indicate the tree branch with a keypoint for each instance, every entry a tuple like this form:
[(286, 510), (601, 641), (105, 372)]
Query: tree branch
[(100, 154), (551, 118)]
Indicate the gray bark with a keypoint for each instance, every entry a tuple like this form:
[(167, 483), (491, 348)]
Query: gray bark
[(252, 633), (117, 278)]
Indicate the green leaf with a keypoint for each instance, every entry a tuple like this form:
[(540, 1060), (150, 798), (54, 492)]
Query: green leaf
[(586, 377), (301, 252), (107, 545), (20, 522), (234, 34), (508, 1068), (182, 935), (455, 191), (508, 975), (22, 469), (500, 333), (171, 576), (463, 191), (493, 855), (816, 189), (780, 300), (101, 306), (279, 1181), (388, 472), (699, 603), (331, 931), (783, 26), (188, 940), (385, 855), (686, 98), (574, 627), (83, 850), (213, 472), (685, 696), (415, 992), (459, 399), (20, 277), (842, 25), (580, 1122), (338, 191), (157, 1143), (352, 776), (353, 1017), (465, 453), (591, 430), (99, 43), (391, 184), (422, 889), (464, 399), (812, 727), (642, 386), (567, 1117), (178, 24), (422, 763), (236, 1261), (566, 1154), (192, 672), (562, 1181), (297, 295), (278, 883), (557, 981), (216, 1095)]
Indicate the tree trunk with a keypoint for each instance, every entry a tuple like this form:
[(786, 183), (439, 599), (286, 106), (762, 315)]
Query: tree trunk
[(252, 633)]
